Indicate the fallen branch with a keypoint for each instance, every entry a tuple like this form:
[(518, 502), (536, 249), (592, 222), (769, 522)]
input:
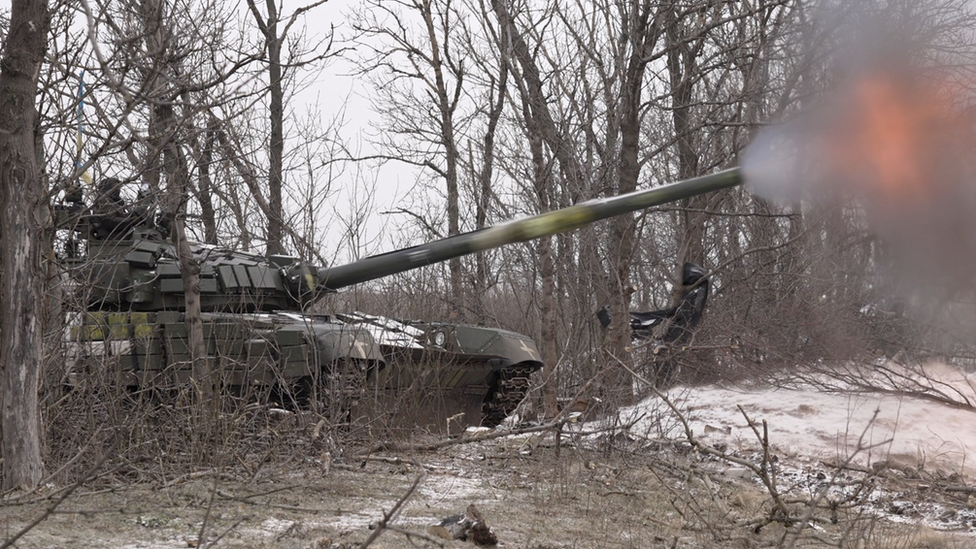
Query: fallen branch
[(247, 500), (401, 447)]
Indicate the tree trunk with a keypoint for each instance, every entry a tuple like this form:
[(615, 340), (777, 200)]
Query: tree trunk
[(207, 213), (177, 188), (446, 105), (168, 159), (541, 130), (643, 37), (277, 145), (484, 190), (682, 70), (21, 198), (547, 299)]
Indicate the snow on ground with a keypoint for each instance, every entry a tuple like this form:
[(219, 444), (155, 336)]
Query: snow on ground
[(832, 441), (906, 431), (871, 428)]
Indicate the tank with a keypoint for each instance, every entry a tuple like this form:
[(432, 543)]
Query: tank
[(130, 329)]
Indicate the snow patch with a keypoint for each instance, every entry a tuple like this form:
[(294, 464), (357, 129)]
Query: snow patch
[(869, 427), (923, 417)]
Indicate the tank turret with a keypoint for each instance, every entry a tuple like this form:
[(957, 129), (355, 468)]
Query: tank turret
[(125, 275)]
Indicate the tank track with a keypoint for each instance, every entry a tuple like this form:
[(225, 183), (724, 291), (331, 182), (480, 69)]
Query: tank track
[(506, 393)]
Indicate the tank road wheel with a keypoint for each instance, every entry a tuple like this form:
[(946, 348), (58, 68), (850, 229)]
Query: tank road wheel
[(505, 394)]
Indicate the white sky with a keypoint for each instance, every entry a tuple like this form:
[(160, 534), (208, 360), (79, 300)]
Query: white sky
[(365, 191)]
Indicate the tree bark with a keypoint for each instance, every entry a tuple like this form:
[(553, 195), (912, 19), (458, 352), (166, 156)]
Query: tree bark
[(447, 105), (683, 70), (272, 42), (277, 145), (205, 186), (21, 200)]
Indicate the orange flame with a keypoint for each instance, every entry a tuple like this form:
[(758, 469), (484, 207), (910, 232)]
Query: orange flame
[(891, 138), (902, 143)]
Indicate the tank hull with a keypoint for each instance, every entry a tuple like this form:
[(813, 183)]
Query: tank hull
[(353, 367)]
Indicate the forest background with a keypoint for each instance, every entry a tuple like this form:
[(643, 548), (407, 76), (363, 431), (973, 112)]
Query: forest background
[(486, 111)]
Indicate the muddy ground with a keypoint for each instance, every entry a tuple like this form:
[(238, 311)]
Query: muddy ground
[(602, 490)]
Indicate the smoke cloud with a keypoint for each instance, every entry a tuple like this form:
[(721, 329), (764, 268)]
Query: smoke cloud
[(895, 134)]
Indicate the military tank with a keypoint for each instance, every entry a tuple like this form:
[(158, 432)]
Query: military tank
[(125, 277)]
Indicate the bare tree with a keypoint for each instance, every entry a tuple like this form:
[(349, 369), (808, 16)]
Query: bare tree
[(23, 203), (415, 64), (547, 144), (273, 41), (642, 22), (166, 86)]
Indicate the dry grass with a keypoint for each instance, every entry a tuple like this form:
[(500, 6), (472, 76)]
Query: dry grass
[(159, 474), (532, 495)]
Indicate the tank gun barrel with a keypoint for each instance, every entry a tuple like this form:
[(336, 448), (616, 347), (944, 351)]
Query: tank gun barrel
[(521, 230)]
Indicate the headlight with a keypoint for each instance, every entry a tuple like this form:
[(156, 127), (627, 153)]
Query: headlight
[(440, 338)]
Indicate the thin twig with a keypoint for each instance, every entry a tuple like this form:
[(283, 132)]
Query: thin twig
[(391, 514), (50, 510), (201, 541)]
